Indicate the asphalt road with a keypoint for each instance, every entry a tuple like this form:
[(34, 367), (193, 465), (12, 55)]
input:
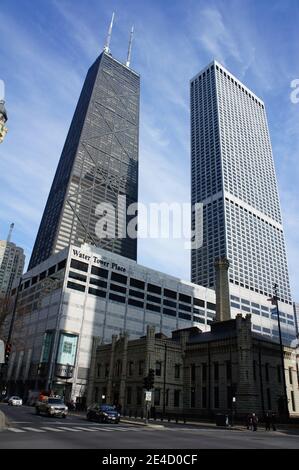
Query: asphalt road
[(30, 431)]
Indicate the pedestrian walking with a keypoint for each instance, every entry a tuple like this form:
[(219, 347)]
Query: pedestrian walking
[(267, 422), (273, 421), (254, 421), (249, 422)]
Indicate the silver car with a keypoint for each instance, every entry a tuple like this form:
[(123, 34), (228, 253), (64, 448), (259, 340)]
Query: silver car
[(15, 401), (52, 407)]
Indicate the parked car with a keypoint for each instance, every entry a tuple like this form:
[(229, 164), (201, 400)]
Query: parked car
[(15, 401), (52, 407), (103, 413)]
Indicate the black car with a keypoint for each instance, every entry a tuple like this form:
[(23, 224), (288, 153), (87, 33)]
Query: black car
[(103, 413)]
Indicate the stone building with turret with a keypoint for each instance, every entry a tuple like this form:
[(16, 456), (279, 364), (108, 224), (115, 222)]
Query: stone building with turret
[(229, 370)]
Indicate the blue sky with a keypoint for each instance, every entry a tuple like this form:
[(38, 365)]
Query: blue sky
[(46, 48)]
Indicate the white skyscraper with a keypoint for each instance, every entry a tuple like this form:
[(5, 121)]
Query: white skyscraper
[(233, 176), (12, 260)]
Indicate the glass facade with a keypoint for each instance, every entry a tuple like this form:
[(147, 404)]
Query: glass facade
[(99, 163)]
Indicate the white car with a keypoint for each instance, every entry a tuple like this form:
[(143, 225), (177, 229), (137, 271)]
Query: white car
[(15, 401)]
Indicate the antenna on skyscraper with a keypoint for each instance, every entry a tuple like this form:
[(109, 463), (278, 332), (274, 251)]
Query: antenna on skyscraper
[(107, 45), (130, 47), (10, 232)]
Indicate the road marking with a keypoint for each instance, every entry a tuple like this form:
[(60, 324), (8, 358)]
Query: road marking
[(52, 429), (122, 429), (68, 429), (15, 430), (84, 429), (104, 429), (33, 429)]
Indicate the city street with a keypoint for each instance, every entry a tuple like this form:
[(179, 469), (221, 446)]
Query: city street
[(29, 431)]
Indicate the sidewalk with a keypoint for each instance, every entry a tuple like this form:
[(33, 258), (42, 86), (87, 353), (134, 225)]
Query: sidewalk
[(283, 428)]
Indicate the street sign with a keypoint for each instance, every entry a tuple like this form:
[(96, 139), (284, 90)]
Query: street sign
[(2, 359), (148, 396)]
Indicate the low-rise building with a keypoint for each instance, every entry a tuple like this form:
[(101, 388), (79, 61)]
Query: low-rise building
[(230, 370)]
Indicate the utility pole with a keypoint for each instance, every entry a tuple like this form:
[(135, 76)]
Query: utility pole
[(164, 379)]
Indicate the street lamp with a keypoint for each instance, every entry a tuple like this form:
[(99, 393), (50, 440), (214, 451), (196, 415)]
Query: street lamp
[(274, 300)]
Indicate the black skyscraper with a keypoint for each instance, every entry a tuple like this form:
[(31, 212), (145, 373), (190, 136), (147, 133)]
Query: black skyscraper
[(99, 162)]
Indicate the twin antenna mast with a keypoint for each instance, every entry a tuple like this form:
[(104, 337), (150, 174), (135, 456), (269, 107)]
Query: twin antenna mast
[(107, 43)]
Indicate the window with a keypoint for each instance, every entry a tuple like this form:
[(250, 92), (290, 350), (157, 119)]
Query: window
[(98, 370), (185, 298), (198, 302), (99, 272), (185, 316), (153, 288), (50, 271), (73, 285), (229, 397), (290, 376), (167, 311), (293, 400), (216, 397), (193, 372), (77, 276), (136, 293), (136, 303), (267, 372), (158, 368), (42, 275), (269, 399), (140, 367), (228, 370), (61, 265), (119, 278), (98, 293), (117, 298), (169, 303), (177, 371), (167, 397), (192, 397), (211, 306), (106, 370), (170, 293), (129, 395), (204, 371), (136, 283), (157, 396), (98, 282), (78, 265), (177, 394), (216, 371), (152, 298), (118, 367), (153, 308), (204, 397), (130, 367), (117, 288)]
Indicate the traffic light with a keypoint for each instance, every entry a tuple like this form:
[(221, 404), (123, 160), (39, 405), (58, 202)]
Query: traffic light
[(7, 352), (151, 378), (145, 383)]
